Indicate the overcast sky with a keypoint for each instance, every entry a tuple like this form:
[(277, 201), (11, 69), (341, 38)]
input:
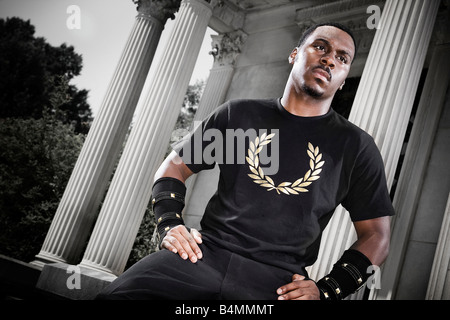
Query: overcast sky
[(104, 29)]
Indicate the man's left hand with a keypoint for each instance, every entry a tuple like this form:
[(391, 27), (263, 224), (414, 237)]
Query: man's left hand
[(299, 289)]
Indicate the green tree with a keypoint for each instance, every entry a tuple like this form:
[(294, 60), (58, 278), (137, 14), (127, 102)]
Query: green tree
[(31, 70), (43, 121), (36, 159)]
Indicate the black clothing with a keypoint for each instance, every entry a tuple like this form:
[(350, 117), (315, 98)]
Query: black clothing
[(277, 190), (283, 227), (219, 275)]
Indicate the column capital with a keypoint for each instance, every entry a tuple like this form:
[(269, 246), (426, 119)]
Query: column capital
[(158, 9), (226, 47), (211, 4)]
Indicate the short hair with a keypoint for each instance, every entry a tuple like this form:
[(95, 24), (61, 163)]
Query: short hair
[(312, 28)]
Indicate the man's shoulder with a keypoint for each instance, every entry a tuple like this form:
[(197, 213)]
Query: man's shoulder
[(251, 103), (236, 109), (353, 131)]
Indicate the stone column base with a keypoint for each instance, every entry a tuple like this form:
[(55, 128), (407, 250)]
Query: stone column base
[(72, 281)]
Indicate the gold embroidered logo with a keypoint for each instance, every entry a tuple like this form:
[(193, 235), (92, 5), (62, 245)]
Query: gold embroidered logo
[(288, 188)]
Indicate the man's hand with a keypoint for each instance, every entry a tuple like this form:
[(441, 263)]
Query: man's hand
[(299, 289), (179, 240)]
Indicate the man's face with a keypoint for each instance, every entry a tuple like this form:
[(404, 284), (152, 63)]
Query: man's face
[(322, 63)]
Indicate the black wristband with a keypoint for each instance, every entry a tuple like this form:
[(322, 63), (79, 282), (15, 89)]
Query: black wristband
[(348, 275), (168, 220), (167, 203)]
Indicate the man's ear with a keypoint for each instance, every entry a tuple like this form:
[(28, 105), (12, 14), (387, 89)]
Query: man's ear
[(293, 55)]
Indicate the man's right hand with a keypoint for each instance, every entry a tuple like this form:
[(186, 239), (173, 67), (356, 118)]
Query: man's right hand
[(179, 240)]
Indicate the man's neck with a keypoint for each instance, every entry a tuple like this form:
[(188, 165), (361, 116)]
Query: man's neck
[(304, 105)]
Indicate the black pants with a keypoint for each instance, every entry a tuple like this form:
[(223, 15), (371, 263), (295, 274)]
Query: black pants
[(220, 274)]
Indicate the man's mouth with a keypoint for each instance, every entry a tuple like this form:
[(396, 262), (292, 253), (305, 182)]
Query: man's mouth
[(323, 72)]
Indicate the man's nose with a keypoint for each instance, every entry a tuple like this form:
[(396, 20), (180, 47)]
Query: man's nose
[(328, 61)]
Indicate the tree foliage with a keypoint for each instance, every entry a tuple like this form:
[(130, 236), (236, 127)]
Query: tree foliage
[(36, 160), (31, 70), (43, 121)]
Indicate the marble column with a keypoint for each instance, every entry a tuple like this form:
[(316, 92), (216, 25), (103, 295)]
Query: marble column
[(129, 194), (412, 180), (439, 285), (225, 50), (384, 100), (78, 207)]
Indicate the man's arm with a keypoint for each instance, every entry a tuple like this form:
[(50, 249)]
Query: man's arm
[(174, 167), (178, 239), (373, 241), (373, 238)]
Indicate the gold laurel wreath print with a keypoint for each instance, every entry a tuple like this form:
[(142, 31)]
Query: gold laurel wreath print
[(288, 188)]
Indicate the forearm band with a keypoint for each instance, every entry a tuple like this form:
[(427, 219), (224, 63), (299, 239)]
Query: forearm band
[(348, 275), (168, 220), (167, 203)]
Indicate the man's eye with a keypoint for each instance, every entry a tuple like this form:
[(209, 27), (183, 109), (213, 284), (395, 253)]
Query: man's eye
[(319, 47), (342, 59)]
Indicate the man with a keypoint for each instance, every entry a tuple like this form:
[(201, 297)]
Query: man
[(260, 231)]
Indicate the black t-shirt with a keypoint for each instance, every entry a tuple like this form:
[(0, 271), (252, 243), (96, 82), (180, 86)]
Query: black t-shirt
[(281, 178)]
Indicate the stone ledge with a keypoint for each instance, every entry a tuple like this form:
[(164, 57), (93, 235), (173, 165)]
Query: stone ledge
[(73, 282)]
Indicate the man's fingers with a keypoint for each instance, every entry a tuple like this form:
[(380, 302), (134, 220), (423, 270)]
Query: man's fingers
[(298, 294), (172, 243), (297, 277), (179, 240), (287, 288), (198, 239), (183, 245), (197, 235), (190, 245), (168, 245), (295, 284), (298, 289)]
